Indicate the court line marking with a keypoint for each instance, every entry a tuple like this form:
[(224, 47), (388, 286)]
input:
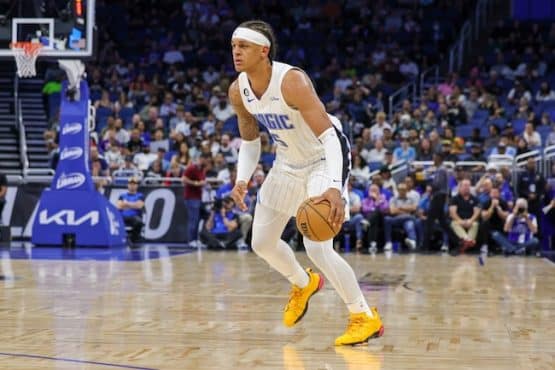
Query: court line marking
[(548, 260), (107, 364)]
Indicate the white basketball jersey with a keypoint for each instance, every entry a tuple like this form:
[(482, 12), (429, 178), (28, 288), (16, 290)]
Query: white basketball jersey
[(296, 143)]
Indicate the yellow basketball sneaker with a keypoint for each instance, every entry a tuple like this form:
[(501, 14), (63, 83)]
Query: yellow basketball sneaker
[(361, 328), (298, 298)]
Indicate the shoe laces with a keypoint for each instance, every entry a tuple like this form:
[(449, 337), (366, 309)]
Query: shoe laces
[(294, 297), (355, 323)]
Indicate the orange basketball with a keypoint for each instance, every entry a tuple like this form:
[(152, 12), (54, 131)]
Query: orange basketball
[(312, 221)]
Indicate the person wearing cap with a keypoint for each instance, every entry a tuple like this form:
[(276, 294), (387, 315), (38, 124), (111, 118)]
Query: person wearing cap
[(519, 231), (388, 182), (503, 148), (494, 212), (131, 205), (221, 229)]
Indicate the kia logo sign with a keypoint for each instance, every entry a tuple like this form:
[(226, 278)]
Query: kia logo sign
[(66, 217), (71, 152), (70, 181), (72, 128)]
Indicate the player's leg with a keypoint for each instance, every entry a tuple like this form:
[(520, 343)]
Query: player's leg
[(364, 322), (268, 226)]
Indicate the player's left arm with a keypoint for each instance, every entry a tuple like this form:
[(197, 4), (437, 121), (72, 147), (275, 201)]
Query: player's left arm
[(298, 92)]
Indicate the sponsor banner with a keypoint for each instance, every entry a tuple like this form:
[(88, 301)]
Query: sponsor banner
[(72, 172), (165, 215)]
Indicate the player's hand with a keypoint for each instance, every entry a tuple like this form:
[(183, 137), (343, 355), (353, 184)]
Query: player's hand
[(238, 194), (337, 211)]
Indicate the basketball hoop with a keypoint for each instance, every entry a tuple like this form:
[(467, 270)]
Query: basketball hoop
[(26, 54)]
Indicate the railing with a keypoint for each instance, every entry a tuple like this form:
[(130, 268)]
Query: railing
[(428, 78), (470, 32), (408, 91)]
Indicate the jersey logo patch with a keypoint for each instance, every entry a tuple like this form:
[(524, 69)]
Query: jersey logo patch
[(274, 121), (250, 100)]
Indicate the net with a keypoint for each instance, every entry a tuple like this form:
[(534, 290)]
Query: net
[(25, 54)]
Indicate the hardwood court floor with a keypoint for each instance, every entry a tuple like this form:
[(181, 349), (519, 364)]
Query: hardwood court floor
[(206, 310)]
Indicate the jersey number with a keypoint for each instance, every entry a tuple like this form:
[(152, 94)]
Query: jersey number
[(278, 140)]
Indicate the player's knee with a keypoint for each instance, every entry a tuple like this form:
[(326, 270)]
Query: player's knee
[(317, 250), (260, 242)]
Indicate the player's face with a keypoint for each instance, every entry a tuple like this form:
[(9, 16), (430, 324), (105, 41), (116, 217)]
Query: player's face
[(247, 54)]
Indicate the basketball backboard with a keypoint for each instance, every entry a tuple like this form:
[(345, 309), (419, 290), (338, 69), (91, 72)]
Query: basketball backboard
[(65, 28)]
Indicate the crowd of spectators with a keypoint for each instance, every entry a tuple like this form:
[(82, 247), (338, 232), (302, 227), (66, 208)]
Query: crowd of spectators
[(160, 89)]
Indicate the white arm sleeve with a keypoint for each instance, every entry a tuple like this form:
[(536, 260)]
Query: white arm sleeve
[(249, 155), (334, 157)]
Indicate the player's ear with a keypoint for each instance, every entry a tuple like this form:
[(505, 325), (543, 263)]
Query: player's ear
[(265, 51)]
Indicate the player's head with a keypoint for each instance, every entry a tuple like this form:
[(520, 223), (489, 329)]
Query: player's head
[(251, 43)]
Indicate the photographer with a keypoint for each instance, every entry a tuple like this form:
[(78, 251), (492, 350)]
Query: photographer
[(221, 230), (520, 227)]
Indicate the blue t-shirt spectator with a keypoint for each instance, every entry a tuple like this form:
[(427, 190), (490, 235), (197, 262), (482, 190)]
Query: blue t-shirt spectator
[(219, 225), (404, 154), (128, 197)]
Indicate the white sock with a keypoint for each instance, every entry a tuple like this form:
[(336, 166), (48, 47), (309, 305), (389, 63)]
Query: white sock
[(360, 305), (299, 278), (338, 272)]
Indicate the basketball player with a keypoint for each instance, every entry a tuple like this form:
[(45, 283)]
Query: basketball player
[(312, 159)]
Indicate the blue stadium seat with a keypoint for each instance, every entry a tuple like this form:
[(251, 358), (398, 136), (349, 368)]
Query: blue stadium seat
[(126, 115), (465, 131), (544, 132), (518, 125), (481, 114), (102, 114)]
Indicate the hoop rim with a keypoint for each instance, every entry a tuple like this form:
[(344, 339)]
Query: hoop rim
[(28, 47)]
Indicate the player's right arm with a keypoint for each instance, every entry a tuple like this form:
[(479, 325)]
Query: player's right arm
[(249, 152)]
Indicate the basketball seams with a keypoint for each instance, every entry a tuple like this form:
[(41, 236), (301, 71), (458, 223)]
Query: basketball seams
[(319, 214), (310, 226)]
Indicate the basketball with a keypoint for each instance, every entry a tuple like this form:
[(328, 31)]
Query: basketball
[(312, 220)]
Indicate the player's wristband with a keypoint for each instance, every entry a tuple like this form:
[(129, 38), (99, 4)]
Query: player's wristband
[(249, 155), (334, 157)]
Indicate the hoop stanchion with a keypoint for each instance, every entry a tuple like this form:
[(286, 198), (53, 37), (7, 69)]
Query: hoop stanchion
[(25, 54)]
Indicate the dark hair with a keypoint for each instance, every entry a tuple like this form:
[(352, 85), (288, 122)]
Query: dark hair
[(265, 29)]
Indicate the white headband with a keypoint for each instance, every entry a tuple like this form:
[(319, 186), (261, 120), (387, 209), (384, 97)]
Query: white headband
[(251, 35)]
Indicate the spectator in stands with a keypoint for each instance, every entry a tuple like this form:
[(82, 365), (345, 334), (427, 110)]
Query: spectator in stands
[(114, 157), (524, 111), (377, 130), (244, 218), (388, 183), (521, 146), (229, 153), (221, 229), (502, 148), (517, 92), (472, 103), (168, 108), (194, 178), (122, 135), (545, 93), (182, 157), (520, 227), (531, 136), (425, 152), (97, 163), (360, 170), (402, 212), (144, 158), (131, 204), (155, 169), (494, 214), (356, 217), (374, 208), (135, 142), (223, 110), (405, 152), (531, 186), (376, 154), (476, 153), (3, 192), (464, 212)]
